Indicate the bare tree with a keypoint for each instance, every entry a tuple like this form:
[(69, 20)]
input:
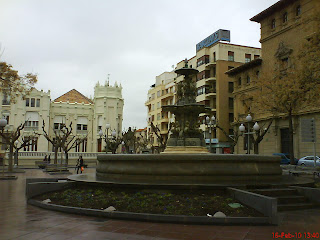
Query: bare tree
[(162, 138), (9, 138), (71, 142)]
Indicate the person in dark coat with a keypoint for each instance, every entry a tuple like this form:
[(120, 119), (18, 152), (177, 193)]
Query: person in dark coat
[(80, 164)]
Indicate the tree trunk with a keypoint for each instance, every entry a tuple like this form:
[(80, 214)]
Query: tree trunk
[(55, 155), (256, 147), (10, 166), (291, 152), (67, 158)]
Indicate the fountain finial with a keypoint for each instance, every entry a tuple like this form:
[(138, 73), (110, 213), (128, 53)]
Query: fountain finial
[(186, 63)]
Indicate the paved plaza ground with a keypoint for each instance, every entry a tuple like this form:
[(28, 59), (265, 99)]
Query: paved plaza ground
[(21, 221)]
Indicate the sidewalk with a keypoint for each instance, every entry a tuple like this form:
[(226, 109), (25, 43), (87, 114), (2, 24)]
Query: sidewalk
[(21, 221)]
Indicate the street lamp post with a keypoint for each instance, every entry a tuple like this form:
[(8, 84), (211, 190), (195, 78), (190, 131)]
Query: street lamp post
[(16, 154), (249, 119), (211, 125), (242, 129), (3, 123), (106, 137)]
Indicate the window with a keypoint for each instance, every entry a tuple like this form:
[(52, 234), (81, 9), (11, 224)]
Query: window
[(230, 56), (58, 126), (33, 102), (31, 120), (81, 147), (230, 103), (248, 79), (247, 58), (239, 81), (158, 116), (214, 57), (6, 99), (273, 24), (298, 10), (158, 94), (203, 74), (152, 107), (231, 116), (82, 124), (38, 103), (230, 87), (27, 102), (82, 127), (231, 132), (285, 17), (33, 124), (7, 117), (158, 105), (256, 56), (34, 144)]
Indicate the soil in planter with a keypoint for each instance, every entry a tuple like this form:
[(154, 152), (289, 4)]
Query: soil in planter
[(173, 202)]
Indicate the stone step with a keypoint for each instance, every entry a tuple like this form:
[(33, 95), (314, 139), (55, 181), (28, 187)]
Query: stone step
[(276, 192), (295, 206), (292, 199)]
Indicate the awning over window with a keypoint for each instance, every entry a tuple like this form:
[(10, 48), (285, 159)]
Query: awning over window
[(82, 120), (100, 121), (32, 116), (59, 119)]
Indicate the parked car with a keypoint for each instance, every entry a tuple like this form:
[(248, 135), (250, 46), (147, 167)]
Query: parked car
[(309, 161), (285, 158)]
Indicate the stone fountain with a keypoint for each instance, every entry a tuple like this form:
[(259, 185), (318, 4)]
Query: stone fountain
[(186, 137), (185, 162)]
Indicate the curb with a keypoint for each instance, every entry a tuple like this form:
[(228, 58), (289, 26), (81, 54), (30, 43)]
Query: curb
[(154, 217)]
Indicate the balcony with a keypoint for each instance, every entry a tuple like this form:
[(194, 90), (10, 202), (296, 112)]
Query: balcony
[(211, 93), (31, 129), (82, 132), (210, 79), (167, 95), (210, 64)]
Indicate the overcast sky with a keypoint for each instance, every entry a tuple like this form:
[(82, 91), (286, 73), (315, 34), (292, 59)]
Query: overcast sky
[(74, 43)]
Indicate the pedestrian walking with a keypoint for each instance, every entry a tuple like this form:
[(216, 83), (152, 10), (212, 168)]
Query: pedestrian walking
[(80, 165)]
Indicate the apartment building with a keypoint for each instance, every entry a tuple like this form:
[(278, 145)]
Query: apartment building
[(214, 56), (86, 115), (285, 27), (160, 94)]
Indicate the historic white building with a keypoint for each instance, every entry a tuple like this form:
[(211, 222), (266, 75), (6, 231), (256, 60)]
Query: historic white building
[(87, 116)]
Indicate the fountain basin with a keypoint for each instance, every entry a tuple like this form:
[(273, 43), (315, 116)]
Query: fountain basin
[(186, 169)]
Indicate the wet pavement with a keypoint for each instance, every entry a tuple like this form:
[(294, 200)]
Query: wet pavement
[(21, 221)]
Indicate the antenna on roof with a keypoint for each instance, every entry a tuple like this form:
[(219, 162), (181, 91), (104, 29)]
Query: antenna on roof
[(107, 83)]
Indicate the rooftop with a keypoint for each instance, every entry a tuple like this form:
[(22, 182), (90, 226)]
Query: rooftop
[(270, 10), (244, 67), (73, 96)]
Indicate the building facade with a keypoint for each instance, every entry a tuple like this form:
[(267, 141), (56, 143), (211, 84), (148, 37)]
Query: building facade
[(214, 88), (160, 94), (86, 116), (285, 28)]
